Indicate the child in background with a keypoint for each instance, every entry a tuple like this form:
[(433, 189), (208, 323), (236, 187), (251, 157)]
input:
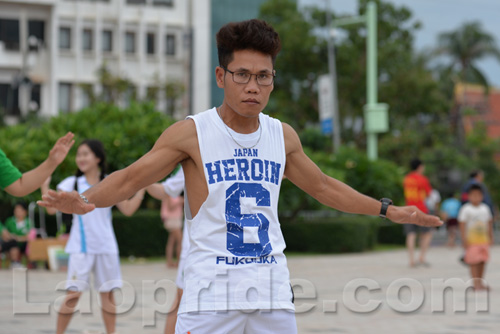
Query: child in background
[(476, 228), (15, 234), (172, 216), (449, 213)]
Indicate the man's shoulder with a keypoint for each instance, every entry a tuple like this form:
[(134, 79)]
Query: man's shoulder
[(203, 114)]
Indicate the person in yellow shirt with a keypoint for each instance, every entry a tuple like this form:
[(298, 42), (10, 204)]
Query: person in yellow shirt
[(476, 228)]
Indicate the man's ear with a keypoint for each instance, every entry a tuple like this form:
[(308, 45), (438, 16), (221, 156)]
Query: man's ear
[(219, 76)]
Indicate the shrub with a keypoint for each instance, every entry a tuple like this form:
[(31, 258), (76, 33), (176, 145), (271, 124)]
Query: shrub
[(390, 233), (142, 234), (331, 235), (127, 134)]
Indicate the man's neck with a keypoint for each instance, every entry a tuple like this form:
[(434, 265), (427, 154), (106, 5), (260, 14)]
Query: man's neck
[(236, 121)]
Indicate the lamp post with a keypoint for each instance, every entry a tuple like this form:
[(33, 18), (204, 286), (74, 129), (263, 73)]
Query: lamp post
[(332, 70), (376, 114)]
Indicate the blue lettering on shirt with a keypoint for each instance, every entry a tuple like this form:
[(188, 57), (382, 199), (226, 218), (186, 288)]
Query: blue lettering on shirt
[(243, 169)]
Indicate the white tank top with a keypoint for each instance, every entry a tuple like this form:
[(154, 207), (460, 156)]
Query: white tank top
[(236, 259)]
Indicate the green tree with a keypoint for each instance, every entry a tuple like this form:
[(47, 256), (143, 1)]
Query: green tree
[(127, 134), (114, 87), (404, 76), (174, 90), (466, 46), (301, 60)]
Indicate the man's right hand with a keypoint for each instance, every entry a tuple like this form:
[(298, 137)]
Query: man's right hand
[(67, 202)]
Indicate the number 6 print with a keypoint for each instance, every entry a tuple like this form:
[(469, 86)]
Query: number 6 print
[(236, 221)]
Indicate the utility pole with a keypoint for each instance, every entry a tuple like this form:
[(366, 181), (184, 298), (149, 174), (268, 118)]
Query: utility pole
[(376, 114), (333, 79)]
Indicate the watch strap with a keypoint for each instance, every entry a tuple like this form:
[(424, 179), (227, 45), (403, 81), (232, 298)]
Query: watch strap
[(385, 205)]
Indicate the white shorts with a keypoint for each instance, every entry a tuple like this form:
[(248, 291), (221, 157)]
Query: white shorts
[(106, 269), (237, 322)]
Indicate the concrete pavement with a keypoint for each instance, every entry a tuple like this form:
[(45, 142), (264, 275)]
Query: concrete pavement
[(372, 292)]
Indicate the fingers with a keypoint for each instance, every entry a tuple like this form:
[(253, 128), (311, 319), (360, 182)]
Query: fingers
[(48, 199), (66, 140), (67, 137), (44, 204)]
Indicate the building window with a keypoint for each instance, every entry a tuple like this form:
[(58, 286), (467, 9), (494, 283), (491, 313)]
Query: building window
[(87, 40), (150, 43), (9, 34), (65, 38), (130, 95), (136, 2), (152, 93), (9, 100), (129, 42), (170, 45), (107, 40), (168, 3), (86, 95), (65, 97), (36, 29), (36, 98)]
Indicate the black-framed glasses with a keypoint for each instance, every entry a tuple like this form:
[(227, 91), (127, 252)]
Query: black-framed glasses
[(263, 79)]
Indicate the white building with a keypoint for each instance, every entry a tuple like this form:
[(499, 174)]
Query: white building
[(60, 44)]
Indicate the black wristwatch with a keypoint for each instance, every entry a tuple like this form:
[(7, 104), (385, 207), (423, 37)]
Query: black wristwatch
[(385, 205)]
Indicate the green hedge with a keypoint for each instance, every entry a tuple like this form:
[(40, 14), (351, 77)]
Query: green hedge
[(127, 134), (331, 235), (143, 234), (390, 233)]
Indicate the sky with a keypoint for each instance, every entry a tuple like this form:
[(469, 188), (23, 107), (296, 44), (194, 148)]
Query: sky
[(439, 16)]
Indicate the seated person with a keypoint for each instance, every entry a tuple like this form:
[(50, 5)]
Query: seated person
[(6, 241), (15, 234)]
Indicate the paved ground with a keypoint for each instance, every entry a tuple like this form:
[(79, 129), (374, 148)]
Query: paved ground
[(390, 298)]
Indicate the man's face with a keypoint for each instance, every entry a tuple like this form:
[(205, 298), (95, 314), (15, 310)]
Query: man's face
[(248, 99)]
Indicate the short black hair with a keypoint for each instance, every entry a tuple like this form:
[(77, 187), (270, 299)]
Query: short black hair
[(475, 173), (22, 204), (475, 187), (415, 163), (254, 34)]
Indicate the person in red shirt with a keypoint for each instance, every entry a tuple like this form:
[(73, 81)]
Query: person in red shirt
[(417, 188)]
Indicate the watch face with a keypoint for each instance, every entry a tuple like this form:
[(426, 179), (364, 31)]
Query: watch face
[(387, 201)]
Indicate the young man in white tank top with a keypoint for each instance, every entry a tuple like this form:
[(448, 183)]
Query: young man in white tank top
[(233, 158)]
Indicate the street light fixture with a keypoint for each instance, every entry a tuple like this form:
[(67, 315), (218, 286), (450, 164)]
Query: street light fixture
[(376, 114)]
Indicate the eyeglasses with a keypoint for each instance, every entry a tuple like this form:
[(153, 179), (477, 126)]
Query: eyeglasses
[(263, 79)]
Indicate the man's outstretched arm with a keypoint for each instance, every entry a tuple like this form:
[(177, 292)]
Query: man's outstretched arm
[(304, 173), (32, 180), (168, 151)]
